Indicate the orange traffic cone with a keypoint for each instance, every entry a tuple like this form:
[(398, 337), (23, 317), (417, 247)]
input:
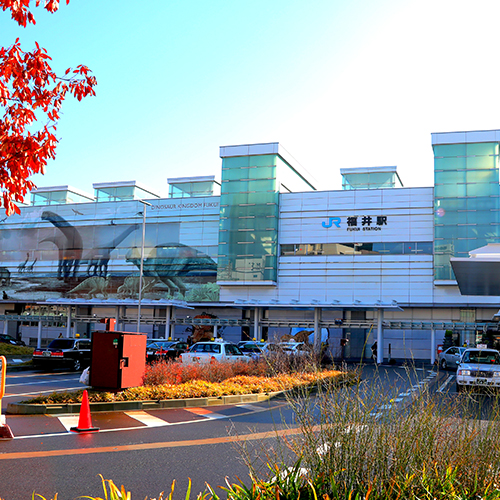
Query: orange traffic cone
[(84, 422), (5, 432)]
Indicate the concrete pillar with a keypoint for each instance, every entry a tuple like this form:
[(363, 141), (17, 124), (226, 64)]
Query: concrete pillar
[(171, 331), (167, 325), (317, 330), (380, 337), (39, 335), (117, 319), (433, 346), (5, 326), (68, 322), (215, 331), (256, 324)]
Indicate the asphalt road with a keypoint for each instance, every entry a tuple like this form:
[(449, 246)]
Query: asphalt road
[(146, 459)]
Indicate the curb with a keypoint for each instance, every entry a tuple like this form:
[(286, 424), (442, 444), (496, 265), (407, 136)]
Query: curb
[(57, 409)]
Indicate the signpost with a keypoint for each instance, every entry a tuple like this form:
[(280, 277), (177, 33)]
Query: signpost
[(5, 432)]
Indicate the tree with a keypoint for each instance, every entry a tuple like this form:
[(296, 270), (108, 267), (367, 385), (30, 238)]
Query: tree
[(31, 92)]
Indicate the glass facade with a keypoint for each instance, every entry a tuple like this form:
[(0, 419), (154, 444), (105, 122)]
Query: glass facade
[(248, 232), (191, 189), (57, 198), (122, 193), (370, 180), (393, 248), (466, 197)]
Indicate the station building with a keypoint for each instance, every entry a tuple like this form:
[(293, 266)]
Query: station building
[(262, 251)]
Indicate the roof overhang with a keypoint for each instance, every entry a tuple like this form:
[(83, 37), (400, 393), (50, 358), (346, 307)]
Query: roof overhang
[(117, 302), (336, 305), (477, 276)]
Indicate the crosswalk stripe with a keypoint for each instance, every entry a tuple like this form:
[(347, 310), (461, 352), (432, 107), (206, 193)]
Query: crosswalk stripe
[(69, 421), (146, 418)]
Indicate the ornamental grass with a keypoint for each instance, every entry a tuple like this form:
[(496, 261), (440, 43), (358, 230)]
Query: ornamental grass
[(363, 442), (240, 384)]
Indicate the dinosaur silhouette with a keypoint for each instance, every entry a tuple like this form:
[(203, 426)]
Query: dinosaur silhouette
[(4, 276), (70, 245), (172, 261), (93, 285), (22, 267), (29, 269), (99, 259)]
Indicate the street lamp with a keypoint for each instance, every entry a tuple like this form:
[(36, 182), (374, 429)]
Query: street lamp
[(146, 204)]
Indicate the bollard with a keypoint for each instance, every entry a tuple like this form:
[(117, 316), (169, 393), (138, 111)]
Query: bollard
[(5, 432)]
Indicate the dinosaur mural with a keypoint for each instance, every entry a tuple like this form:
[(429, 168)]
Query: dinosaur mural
[(99, 260), (170, 262), (4, 276), (93, 286), (70, 245), (203, 332)]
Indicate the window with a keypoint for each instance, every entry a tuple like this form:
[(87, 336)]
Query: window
[(406, 248)]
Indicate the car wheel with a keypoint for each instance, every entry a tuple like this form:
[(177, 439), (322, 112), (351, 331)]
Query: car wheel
[(77, 365), (444, 366)]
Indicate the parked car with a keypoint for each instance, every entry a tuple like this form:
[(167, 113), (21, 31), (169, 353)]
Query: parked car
[(449, 357), (285, 348), (251, 348), (207, 352), (7, 339), (73, 353), (479, 368), (164, 349)]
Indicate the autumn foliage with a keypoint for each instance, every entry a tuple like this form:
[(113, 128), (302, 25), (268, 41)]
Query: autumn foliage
[(31, 92)]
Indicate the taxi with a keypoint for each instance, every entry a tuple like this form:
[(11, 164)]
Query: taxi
[(478, 368), (208, 352)]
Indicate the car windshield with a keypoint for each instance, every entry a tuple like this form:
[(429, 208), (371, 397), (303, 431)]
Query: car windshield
[(158, 345), (233, 350), (214, 348), (61, 344), (482, 357)]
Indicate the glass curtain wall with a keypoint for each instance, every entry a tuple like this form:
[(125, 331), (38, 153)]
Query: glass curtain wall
[(466, 197), (248, 219)]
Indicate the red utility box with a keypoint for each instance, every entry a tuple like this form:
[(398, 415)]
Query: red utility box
[(118, 360)]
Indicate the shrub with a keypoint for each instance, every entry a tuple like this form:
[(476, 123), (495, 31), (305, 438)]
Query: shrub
[(349, 448), (173, 372)]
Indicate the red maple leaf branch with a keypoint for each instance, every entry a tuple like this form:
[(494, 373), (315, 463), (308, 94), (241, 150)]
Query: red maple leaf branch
[(30, 90)]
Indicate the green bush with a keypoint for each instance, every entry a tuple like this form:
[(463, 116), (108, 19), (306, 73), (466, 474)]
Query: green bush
[(16, 350)]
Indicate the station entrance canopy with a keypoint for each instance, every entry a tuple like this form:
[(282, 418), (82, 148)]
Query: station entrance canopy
[(480, 273)]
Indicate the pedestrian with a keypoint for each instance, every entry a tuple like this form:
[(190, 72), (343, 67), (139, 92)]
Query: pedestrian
[(374, 351)]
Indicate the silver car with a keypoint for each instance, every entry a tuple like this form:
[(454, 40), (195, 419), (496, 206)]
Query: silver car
[(479, 368), (449, 358)]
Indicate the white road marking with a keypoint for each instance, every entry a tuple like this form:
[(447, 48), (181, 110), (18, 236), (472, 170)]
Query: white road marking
[(146, 418), (31, 375), (214, 416), (446, 382), (58, 434), (44, 382), (69, 421), (36, 393), (248, 407)]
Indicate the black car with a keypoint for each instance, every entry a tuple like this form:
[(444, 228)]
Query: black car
[(7, 339), (164, 349), (64, 353)]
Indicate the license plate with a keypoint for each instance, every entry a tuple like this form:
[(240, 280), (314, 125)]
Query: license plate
[(481, 381), (46, 354)]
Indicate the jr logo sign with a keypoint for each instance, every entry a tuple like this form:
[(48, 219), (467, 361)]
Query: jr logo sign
[(332, 221)]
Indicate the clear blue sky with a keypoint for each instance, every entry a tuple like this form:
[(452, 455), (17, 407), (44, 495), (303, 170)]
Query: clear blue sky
[(355, 83)]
